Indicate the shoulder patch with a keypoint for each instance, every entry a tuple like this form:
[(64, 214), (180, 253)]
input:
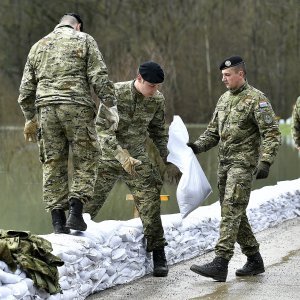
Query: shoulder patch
[(263, 104), (268, 119)]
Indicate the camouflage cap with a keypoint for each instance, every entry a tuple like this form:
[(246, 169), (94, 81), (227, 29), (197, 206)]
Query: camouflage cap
[(231, 62), (151, 72)]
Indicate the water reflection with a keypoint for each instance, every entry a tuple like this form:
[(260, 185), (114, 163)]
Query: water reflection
[(22, 207)]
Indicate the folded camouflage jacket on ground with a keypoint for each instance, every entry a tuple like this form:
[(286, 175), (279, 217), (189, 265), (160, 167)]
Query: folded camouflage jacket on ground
[(33, 255)]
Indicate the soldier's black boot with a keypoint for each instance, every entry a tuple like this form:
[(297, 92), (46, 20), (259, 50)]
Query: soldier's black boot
[(217, 269), (160, 266), (253, 266), (59, 221), (75, 220)]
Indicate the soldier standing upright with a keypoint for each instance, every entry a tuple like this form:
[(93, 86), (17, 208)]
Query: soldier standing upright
[(56, 101), (246, 130), (296, 123), (141, 109)]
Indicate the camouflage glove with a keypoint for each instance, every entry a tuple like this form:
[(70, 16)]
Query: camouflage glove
[(262, 170), (128, 163), (194, 147), (172, 174), (30, 130)]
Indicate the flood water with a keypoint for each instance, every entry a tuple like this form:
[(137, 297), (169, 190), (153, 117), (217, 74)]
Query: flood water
[(22, 207)]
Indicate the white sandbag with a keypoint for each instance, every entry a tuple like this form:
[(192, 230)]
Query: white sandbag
[(19, 289), (64, 283), (70, 258), (106, 229), (5, 292), (85, 264), (4, 266), (115, 242), (98, 274), (85, 288), (9, 277), (94, 255), (118, 254), (193, 187), (130, 234)]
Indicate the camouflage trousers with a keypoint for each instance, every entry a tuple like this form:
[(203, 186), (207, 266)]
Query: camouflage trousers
[(145, 189), (234, 183), (67, 134)]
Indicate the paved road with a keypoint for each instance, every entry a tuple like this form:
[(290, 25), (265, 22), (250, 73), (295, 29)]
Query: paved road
[(280, 248)]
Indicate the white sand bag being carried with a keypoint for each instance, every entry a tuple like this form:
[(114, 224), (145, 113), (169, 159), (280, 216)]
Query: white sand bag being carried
[(193, 187)]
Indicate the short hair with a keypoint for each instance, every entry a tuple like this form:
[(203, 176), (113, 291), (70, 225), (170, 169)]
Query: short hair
[(72, 19), (240, 67)]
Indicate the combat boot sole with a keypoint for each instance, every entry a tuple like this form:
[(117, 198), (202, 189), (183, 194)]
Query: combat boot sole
[(250, 273), (221, 276)]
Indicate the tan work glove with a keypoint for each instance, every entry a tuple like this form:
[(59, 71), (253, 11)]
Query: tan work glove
[(30, 130), (128, 163), (172, 174), (112, 116)]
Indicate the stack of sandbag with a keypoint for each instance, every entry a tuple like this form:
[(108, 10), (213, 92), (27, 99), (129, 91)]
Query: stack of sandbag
[(271, 205), (14, 285), (107, 254), (113, 252)]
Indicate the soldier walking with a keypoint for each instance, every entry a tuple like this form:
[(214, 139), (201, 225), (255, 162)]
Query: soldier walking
[(56, 101), (141, 109), (246, 130)]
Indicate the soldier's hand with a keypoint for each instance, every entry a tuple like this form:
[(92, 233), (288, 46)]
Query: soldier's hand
[(128, 162), (30, 130), (172, 174), (194, 147), (129, 165), (263, 170)]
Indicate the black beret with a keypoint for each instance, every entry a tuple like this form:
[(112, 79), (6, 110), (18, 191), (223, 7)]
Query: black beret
[(77, 17), (231, 62), (151, 72)]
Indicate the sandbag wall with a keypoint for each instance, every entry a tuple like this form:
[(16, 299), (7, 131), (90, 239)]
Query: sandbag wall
[(113, 252)]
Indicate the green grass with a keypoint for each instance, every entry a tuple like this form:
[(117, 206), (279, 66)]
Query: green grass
[(285, 129)]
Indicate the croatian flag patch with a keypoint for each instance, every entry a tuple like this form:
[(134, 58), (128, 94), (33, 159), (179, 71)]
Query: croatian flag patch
[(263, 104)]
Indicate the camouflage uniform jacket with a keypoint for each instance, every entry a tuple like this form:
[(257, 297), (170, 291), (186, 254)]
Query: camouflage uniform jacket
[(33, 254), (139, 117), (60, 69), (245, 127), (296, 122)]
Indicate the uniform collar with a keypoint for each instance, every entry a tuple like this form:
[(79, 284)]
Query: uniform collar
[(135, 93), (240, 89), (63, 25)]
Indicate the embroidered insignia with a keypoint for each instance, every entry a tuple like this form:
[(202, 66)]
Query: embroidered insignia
[(268, 119), (227, 63)]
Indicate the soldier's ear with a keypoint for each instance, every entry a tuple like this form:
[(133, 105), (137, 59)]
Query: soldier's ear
[(78, 27), (139, 78), (241, 73)]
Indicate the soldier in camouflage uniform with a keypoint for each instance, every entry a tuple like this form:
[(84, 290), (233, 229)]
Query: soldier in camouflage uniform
[(141, 109), (56, 101), (296, 123), (245, 128)]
